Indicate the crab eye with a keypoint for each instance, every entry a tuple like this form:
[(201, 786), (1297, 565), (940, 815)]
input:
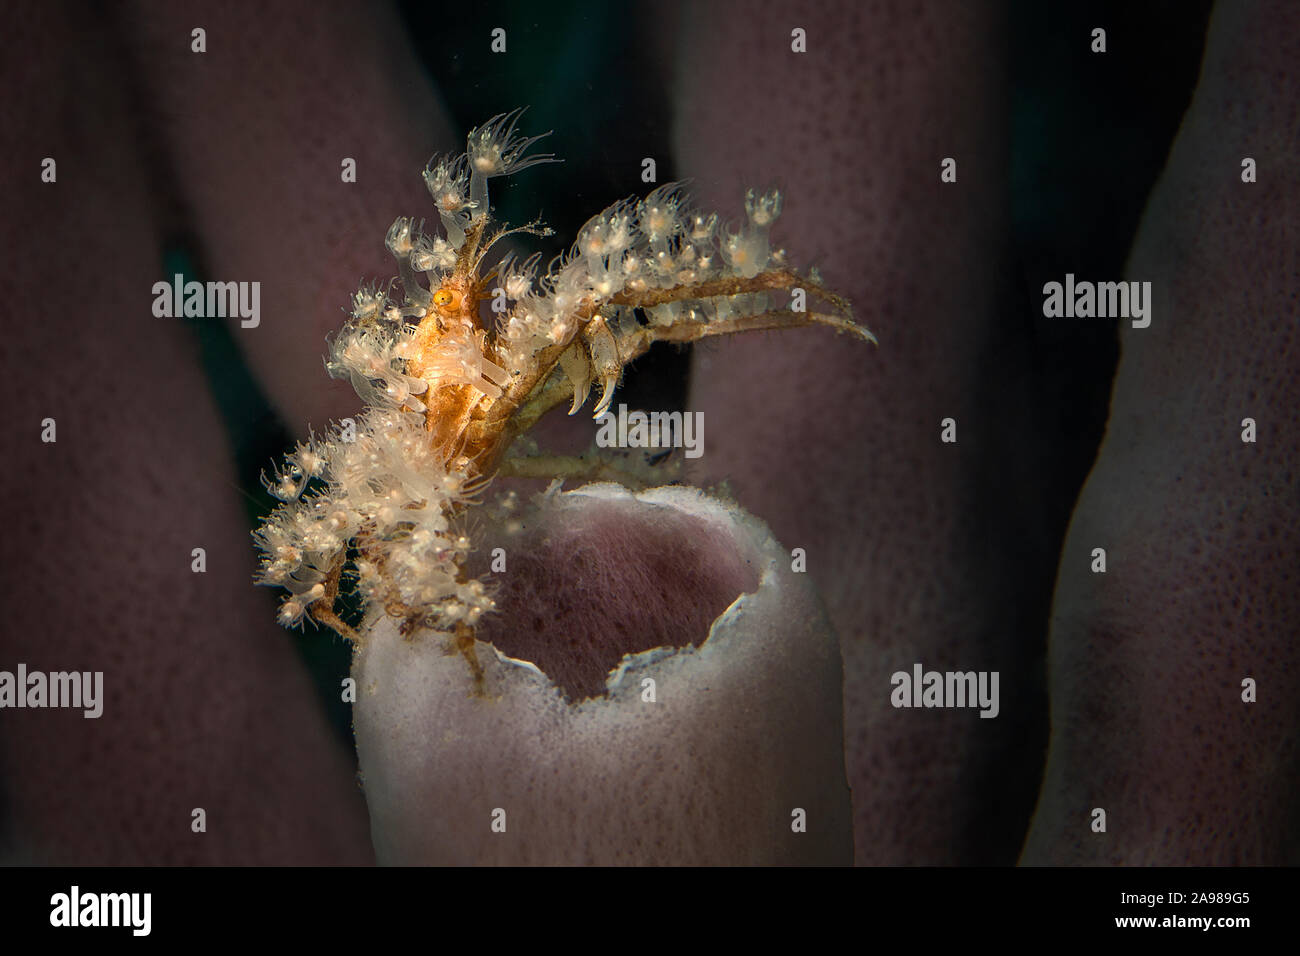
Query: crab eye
[(443, 298)]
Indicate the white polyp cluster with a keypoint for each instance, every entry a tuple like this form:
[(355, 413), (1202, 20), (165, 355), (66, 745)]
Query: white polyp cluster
[(748, 251), (516, 278), (305, 462), (390, 495), (448, 183), (405, 241), (461, 359), (656, 243), (385, 497), (433, 255), (373, 359)]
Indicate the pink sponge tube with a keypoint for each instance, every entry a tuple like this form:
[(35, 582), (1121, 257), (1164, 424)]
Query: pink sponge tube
[(725, 750)]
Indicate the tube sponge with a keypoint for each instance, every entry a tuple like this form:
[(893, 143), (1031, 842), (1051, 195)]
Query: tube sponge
[(735, 758)]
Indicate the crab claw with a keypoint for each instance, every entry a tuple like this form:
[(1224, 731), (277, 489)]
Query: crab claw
[(577, 369), (604, 359), (607, 384)]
